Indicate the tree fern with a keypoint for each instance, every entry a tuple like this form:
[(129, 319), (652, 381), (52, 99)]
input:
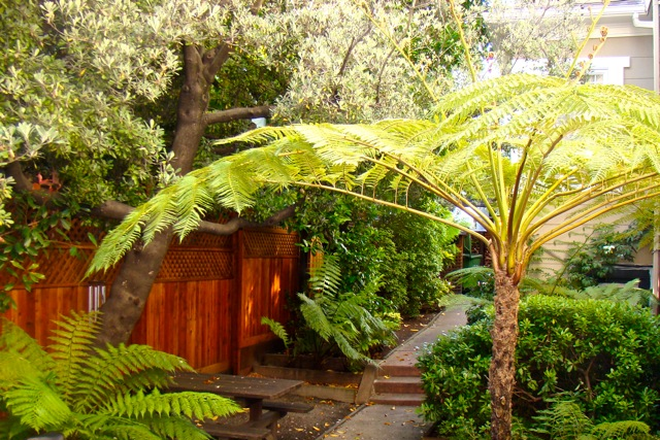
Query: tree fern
[(90, 393)]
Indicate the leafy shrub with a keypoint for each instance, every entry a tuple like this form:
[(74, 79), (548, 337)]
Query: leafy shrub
[(566, 421), (593, 261), (331, 322), (89, 393), (423, 248), (602, 355), (405, 251)]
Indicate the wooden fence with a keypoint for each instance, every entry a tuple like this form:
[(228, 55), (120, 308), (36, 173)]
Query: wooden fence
[(206, 304)]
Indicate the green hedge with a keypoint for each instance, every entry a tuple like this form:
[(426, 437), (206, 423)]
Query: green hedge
[(603, 356)]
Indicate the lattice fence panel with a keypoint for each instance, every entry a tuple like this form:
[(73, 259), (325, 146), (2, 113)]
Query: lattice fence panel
[(198, 256), (198, 264), (259, 244), (200, 240)]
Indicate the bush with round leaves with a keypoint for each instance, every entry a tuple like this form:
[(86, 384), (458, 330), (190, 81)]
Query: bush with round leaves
[(602, 355)]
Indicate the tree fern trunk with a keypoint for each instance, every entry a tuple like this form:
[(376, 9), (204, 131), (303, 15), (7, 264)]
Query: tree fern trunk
[(502, 367)]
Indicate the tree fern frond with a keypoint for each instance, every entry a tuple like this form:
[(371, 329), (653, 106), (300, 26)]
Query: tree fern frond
[(118, 242), (261, 135), (192, 404), (37, 404)]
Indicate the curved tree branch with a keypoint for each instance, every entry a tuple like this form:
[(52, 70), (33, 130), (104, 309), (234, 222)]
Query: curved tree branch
[(22, 183), (235, 114), (117, 210)]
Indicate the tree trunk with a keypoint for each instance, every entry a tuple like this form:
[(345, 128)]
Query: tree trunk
[(502, 367), (130, 290)]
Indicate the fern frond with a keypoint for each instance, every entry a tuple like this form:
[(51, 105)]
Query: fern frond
[(175, 427), (192, 404), (21, 355), (122, 369), (37, 404), (11, 427), (16, 339), (628, 429), (347, 348), (563, 421), (315, 317), (326, 278), (70, 347), (278, 329)]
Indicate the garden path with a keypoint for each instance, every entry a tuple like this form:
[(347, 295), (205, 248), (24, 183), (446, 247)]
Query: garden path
[(378, 421)]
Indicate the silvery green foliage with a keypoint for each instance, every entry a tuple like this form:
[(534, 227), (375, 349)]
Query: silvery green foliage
[(541, 36), (367, 61), (73, 70)]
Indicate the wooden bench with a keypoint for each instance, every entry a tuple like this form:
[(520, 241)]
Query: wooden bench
[(282, 408), (240, 432)]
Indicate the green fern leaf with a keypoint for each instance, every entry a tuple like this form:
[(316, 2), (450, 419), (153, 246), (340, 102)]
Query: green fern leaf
[(16, 340), (278, 329), (37, 404), (175, 427), (628, 429), (191, 404), (315, 317)]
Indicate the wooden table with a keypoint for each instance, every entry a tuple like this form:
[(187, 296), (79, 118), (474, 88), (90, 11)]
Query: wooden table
[(251, 391)]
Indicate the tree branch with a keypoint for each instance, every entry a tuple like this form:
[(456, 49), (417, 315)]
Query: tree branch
[(214, 60), (235, 114), (117, 210), (22, 183)]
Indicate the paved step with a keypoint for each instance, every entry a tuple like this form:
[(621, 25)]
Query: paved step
[(398, 399), (399, 370), (403, 385)]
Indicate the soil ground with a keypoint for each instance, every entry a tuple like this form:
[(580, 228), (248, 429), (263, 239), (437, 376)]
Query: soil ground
[(327, 413)]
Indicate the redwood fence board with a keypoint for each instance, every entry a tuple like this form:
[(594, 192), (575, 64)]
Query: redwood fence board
[(205, 306)]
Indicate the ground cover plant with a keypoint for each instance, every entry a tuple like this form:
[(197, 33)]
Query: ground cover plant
[(91, 393), (595, 354)]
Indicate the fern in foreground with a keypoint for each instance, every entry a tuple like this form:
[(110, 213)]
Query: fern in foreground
[(85, 392)]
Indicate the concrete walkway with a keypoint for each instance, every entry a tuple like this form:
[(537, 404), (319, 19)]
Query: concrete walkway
[(382, 422)]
